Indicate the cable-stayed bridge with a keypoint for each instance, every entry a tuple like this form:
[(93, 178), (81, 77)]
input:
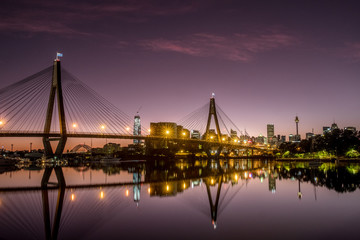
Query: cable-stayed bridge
[(54, 105)]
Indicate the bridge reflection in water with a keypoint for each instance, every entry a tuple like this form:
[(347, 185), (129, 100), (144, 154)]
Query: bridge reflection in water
[(71, 210)]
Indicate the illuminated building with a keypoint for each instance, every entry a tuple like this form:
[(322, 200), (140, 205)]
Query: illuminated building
[(291, 138), (326, 130), (195, 134), (233, 134), (353, 129), (260, 139), (270, 133)]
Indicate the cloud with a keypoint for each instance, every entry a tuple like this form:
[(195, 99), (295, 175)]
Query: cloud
[(35, 26), (236, 47), (66, 17)]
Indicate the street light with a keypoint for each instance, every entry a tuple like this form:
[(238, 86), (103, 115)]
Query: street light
[(74, 126), (2, 123), (103, 128)]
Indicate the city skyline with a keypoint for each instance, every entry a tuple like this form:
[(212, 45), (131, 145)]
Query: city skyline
[(266, 62)]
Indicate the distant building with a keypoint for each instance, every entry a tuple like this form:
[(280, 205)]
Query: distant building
[(111, 148), (195, 134), (260, 139), (233, 134), (282, 138), (234, 137), (353, 129), (326, 130), (270, 133), (309, 135), (292, 138), (245, 138), (334, 126), (137, 128)]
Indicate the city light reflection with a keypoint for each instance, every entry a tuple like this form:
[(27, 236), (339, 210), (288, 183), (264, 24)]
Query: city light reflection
[(102, 195)]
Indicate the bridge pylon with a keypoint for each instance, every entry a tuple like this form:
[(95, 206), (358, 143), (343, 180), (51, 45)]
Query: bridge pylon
[(208, 137), (56, 89), (214, 205), (52, 233)]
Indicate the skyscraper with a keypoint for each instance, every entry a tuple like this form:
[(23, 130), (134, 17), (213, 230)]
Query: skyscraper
[(270, 133), (137, 128)]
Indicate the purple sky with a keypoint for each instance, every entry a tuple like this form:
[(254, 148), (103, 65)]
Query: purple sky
[(266, 61)]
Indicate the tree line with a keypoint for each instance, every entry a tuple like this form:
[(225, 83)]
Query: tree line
[(336, 143)]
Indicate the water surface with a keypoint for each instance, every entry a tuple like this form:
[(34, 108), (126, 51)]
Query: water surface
[(163, 199)]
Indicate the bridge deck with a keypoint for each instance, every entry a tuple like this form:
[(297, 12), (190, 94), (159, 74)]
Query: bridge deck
[(118, 136)]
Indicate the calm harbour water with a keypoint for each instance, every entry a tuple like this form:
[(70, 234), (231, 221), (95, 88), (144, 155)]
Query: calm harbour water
[(163, 199)]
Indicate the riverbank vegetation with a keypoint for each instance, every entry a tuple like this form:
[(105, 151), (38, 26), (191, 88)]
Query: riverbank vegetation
[(334, 144)]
